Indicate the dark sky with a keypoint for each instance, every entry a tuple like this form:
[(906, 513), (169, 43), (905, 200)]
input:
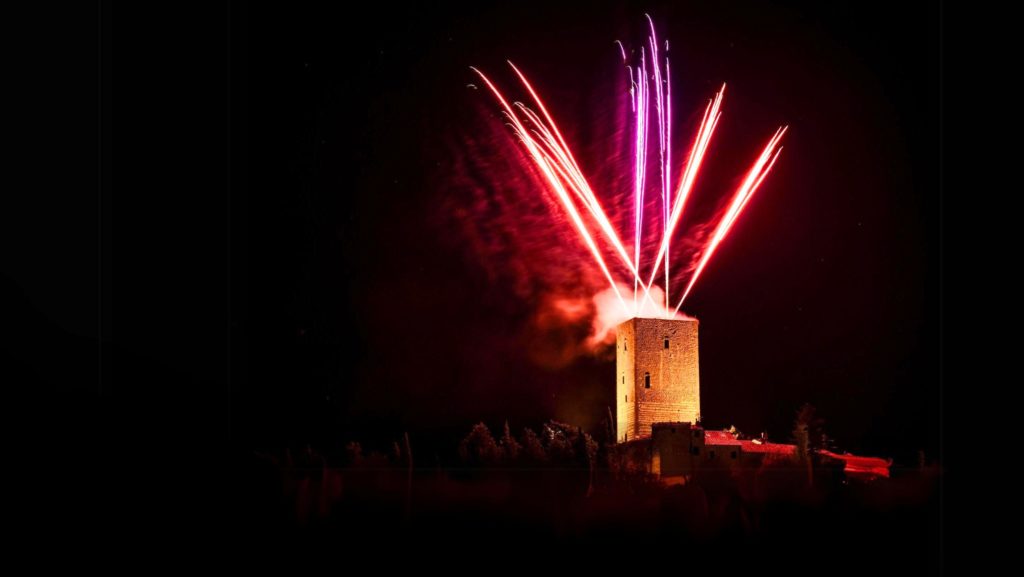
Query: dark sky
[(355, 312), (360, 312)]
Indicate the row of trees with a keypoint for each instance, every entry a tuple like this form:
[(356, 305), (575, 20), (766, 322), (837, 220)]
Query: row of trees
[(557, 444)]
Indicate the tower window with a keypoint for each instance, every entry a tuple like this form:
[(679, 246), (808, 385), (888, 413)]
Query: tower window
[(623, 379), (732, 454), (711, 455), (627, 398), (647, 380), (666, 343), (695, 450)]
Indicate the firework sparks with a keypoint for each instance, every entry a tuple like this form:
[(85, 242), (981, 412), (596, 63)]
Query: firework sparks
[(700, 146), (664, 152), (544, 163), (552, 156), (746, 190)]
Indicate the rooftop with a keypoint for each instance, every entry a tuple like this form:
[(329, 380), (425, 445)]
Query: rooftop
[(720, 438), (774, 448)]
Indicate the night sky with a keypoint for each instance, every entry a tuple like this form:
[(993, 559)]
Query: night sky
[(360, 316), (328, 295)]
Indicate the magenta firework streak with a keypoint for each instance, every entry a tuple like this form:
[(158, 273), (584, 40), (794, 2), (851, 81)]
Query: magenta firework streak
[(552, 156)]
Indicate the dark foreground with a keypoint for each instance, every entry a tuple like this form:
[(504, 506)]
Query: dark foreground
[(767, 519)]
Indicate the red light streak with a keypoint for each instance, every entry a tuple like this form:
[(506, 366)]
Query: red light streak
[(551, 154), (739, 201)]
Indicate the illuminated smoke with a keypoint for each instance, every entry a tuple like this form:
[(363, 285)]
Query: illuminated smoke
[(578, 213), (608, 315), (565, 327)]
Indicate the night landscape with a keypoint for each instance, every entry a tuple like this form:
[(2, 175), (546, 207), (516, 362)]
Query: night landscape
[(651, 281)]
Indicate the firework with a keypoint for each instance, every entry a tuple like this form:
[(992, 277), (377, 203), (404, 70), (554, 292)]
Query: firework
[(552, 156)]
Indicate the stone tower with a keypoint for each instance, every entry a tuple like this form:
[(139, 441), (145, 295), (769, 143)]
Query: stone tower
[(656, 375)]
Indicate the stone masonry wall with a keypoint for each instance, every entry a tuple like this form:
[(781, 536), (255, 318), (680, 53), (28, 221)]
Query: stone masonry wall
[(673, 373)]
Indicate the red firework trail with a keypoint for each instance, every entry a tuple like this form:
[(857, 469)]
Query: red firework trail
[(739, 201), (552, 156), (544, 163), (700, 146)]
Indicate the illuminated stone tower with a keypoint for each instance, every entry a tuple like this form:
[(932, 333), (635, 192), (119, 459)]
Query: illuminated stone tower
[(657, 377)]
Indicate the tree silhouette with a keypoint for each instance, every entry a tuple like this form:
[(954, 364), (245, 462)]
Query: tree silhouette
[(479, 447), (510, 448), (559, 447), (533, 450), (808, 435)]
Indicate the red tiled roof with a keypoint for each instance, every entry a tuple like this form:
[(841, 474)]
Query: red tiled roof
[(720, 438), (862, 466), (774, 448)]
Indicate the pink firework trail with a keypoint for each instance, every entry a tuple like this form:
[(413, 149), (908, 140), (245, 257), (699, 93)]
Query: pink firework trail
[(552, 156), (743, 195)]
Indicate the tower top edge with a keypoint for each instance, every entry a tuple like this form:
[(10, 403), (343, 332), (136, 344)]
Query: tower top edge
[(658, 320)]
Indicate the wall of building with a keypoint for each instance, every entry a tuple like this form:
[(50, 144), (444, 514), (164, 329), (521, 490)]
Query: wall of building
[(681, 449), (625, 386), (674, 391), (721, 457), (675, 449)]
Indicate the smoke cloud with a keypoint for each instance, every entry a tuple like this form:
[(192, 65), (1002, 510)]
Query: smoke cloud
[(609, 312), (566, 328), (500, 214)]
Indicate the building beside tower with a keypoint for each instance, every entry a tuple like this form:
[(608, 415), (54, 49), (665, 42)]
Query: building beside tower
[(657, 416)]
